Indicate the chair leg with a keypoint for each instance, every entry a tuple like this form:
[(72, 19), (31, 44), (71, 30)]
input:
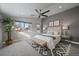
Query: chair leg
[(44, 52), (39, 49), (51, 52)]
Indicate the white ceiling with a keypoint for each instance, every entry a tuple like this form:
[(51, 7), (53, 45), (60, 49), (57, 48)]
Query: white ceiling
[(27, 9)]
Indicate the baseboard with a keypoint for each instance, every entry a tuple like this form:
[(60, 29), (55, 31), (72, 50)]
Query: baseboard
[(73, 42)]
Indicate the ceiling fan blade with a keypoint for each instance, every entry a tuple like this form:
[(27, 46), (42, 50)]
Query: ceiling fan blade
[(46, 11), (45, 15), (37, 11)]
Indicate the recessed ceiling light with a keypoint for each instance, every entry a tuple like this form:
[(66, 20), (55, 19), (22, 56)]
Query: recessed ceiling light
[(60, 7)]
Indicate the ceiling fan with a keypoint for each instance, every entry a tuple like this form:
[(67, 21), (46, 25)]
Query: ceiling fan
[(40, 13)]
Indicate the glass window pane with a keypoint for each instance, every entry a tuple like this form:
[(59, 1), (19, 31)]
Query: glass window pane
[(23, 26)]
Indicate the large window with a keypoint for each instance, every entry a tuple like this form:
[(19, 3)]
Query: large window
[(23, 26)]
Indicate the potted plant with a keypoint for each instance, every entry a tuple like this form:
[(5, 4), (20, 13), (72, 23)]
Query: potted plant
[(7, 28)]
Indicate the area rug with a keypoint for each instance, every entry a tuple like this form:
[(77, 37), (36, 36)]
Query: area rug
[(62, 49)]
